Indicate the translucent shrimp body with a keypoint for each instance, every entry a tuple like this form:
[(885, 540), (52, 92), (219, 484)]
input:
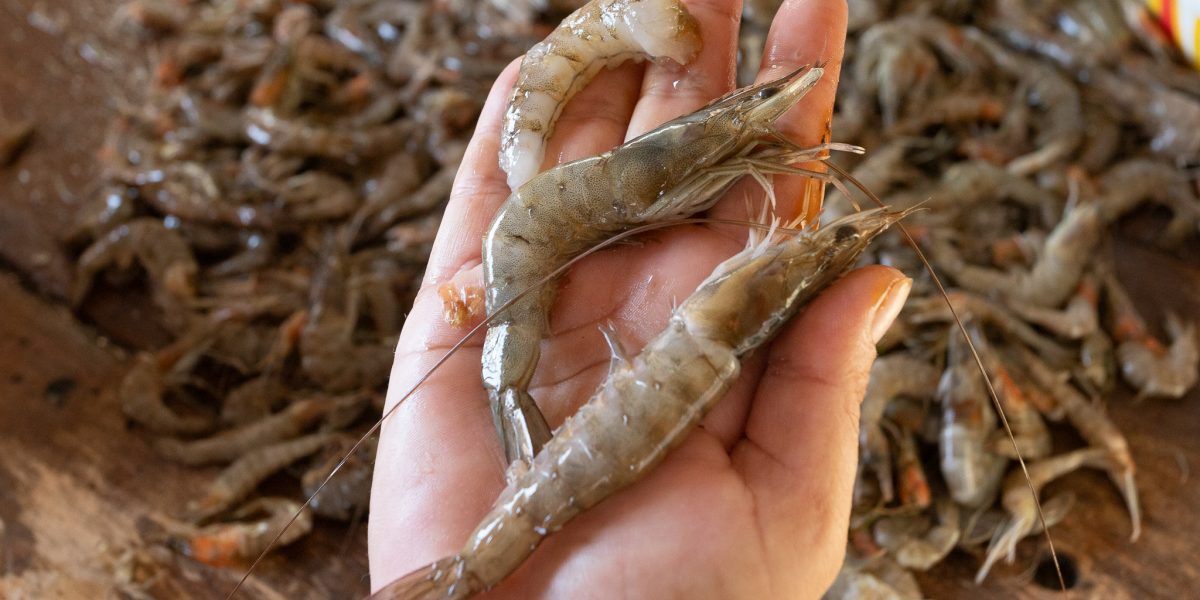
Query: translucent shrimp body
[(602, 33), (675, 170), (971, 470), (648, 404)]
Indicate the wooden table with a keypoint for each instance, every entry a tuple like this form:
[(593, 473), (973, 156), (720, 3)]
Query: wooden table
[(83, 500)]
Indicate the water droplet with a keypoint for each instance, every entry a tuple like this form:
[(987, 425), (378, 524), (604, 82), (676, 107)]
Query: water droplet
[(246, 214), (387, 31), (258, 134)]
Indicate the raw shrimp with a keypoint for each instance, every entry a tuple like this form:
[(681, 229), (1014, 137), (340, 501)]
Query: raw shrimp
[(891, 376), (241, 477), (1022, 507), (966, 184), (329, 354), (229, 445), (188, 191), (1097, 361), (348, 489), (913, 485), (898, 63), (878, 578), (1078, 320), (1152, 369), (1158, 373), (165, 256), (650, 403), (265, 128), (982, 527), (1063, 124), (601, 33), (316, 196), (914, 543), (422, 200), (1055, 274), (96, 217), (1029, 432), (951, 109), (141, 390), (1130, 183), (1019, 249), (1170, 116), (924, 310), (283, 521), (971, 470), (1094, 426), (679, 168)]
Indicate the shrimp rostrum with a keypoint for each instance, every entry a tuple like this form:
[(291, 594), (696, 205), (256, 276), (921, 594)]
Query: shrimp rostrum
[(678, 169), (648, 404)]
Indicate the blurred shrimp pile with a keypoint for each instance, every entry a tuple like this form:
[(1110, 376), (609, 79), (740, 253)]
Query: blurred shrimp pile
[(1026, 130), (276, 190)]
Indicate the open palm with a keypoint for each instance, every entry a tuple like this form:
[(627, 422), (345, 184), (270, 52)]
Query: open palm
[(755, 503)]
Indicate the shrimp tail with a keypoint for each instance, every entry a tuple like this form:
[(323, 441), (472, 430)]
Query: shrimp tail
[(446, 579), (1126, 483)]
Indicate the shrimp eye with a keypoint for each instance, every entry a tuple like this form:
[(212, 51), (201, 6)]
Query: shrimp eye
[(845, 232), (765, 93)]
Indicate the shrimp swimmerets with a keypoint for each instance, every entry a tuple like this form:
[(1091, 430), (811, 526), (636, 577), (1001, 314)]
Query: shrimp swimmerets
[(680, 168), (650, 403), (891, 376), (1020, 504), (601, 33)]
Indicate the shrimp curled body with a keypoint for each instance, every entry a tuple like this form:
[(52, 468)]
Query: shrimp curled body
[(602, 33)]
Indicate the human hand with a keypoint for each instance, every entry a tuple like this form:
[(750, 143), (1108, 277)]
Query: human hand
[(755, 503)]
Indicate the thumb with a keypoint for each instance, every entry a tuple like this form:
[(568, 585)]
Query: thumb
[(799, 454)]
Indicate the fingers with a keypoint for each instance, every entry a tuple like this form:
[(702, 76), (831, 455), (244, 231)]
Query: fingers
[(800, 450), (669, 91), (804, 32)]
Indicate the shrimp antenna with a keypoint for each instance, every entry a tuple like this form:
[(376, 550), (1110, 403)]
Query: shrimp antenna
[(465, 338), (978, 362)]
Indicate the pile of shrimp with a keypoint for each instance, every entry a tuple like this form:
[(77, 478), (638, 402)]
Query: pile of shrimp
[(274, 187), (1025, 130)]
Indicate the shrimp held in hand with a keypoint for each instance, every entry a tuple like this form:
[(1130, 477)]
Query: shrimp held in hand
[(602, 33), (675, 170), (648, 404)]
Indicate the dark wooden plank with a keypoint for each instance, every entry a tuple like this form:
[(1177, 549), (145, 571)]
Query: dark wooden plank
[(57, 73)]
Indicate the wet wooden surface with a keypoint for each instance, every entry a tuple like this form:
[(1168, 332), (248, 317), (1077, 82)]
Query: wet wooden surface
[(83, 499)]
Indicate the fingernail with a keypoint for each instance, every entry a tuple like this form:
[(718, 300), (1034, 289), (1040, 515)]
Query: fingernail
[(888, 306)]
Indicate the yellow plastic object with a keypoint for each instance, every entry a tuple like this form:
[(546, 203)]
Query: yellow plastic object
[(1180, 19)]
